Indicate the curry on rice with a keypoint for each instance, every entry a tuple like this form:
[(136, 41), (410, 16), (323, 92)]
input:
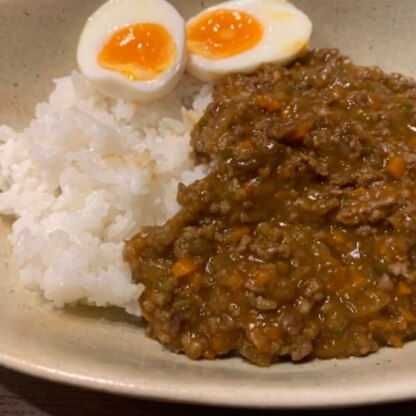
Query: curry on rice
[(301, 241)]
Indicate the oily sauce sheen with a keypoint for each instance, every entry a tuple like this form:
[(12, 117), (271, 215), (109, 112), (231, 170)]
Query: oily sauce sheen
[(301, 241)]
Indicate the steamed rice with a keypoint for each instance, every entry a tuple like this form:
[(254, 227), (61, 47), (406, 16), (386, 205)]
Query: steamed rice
[(83, 177)]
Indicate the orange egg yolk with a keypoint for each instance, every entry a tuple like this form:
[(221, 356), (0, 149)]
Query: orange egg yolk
[(223, 33), (140, 52)]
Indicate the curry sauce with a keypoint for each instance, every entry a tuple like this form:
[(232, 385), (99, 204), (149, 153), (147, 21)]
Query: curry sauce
[(301, 241)]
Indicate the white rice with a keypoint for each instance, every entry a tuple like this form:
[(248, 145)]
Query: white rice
[(83, 177)]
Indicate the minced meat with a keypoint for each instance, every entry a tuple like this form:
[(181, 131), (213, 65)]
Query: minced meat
[(301, 242)]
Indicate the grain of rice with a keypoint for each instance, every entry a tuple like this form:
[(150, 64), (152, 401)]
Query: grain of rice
[(84, 176)]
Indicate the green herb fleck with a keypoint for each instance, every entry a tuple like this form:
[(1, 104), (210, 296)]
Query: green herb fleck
[(381, 266), (226, 153), (181, 304), (161, 286), (369, 86), (406, 105), (366, 150)]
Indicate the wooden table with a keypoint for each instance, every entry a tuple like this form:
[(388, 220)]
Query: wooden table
[(21, 395)]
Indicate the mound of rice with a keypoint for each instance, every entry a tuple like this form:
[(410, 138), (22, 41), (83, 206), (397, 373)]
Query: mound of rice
[(83, 177)]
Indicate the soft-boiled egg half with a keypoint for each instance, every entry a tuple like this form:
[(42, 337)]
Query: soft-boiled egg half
[(133, 49), (238, 36)]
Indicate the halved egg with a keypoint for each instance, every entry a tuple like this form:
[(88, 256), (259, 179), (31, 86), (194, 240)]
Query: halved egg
[(238, 36), (133, 49)]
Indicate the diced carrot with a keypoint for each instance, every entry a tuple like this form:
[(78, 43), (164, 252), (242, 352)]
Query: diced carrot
[(183, 267), (407, 315), (358, 192), (197, 280), (208, 354), (246, 144), (268, 103), (133, 249), (396, 167), (259, 339), (273, 332), (219, 343), (264, 172), (299, 132), (239, 233), (395, 341), (233, 280), (264, 276), (375, 102), (403, 289), (381, 325)]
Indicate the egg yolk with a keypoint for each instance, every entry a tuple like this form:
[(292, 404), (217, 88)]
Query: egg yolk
[(141, 52), (223, 33)]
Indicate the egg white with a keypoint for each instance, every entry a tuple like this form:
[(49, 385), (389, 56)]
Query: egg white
[(287, 31), (110, 18)]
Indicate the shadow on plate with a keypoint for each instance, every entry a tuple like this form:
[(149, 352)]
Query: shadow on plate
[(110, 314)]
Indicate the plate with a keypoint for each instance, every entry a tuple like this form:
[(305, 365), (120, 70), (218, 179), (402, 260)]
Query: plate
[(107, 350)]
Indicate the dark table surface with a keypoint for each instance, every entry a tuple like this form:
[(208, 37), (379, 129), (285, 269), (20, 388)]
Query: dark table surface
[(21, 395)]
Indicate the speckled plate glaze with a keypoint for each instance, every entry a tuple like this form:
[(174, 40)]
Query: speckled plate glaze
[(107, 350)]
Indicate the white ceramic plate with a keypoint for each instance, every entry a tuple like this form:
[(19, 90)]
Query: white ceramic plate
[(107, 350)]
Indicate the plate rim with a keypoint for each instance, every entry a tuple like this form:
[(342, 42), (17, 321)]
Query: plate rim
[(319, 397), (384, 393)]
